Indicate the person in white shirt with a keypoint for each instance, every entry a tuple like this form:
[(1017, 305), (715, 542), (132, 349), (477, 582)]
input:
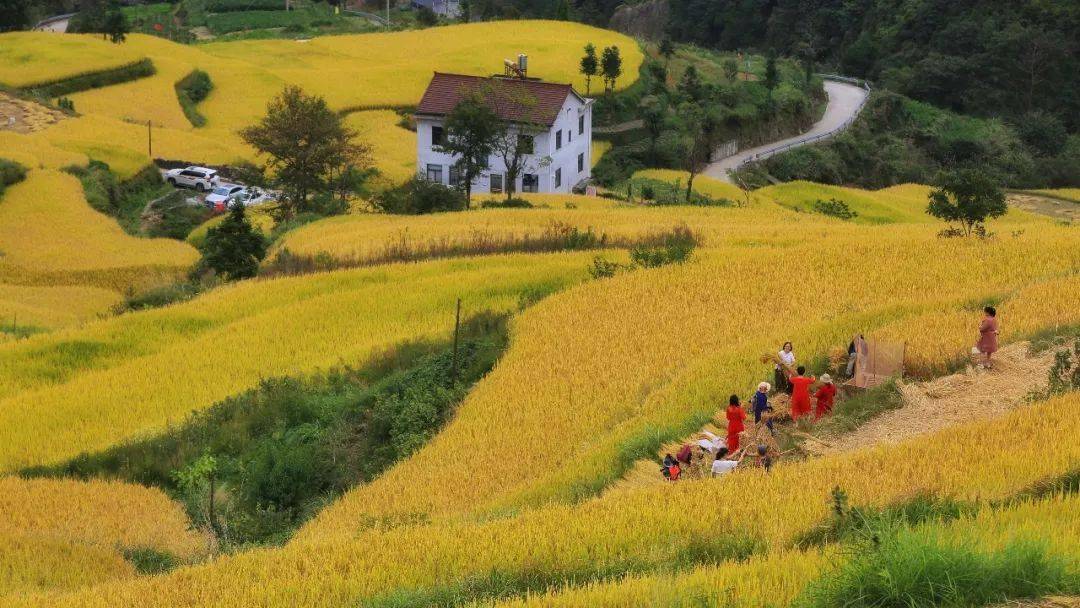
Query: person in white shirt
[(711, 443), (722, 465), (786, 358)]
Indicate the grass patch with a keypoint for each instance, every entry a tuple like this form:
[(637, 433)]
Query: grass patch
[(914, 570), (94, 80), (852, 412), (123, 200), (148, 560)]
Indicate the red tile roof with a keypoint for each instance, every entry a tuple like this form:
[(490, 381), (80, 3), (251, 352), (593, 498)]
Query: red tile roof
[(512, 99)]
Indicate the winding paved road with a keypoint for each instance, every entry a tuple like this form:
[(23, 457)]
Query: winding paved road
[(845, 101)]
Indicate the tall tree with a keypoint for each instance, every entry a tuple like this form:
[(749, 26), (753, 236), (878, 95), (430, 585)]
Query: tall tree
[(700, 131), (611, 66), (968, 197), (234, 248), (690, 84), (14, 14), (514, 142), (304, 143), (772, 77), (471, 130), (589, 65)]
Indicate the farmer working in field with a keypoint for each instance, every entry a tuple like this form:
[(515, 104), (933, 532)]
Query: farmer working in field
[(824, 397), (988, 335), (760, 400), (800, 393), (856, 348), (735, 418), (784, 365), (722, 464)]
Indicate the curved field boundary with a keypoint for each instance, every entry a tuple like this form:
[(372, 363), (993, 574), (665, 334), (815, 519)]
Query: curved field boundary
[(93, 80)]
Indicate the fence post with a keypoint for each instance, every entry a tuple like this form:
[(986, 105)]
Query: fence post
[(457, 330)]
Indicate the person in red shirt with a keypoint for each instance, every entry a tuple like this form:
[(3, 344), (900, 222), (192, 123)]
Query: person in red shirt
[(735, 418), (800, 393), (825, 397)]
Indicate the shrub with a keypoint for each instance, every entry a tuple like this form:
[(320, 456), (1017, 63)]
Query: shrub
[(834, 208), (676, 249), (11, 172), (418, 196), (132, 71), (190, 90), (148, 560), (510, 203)]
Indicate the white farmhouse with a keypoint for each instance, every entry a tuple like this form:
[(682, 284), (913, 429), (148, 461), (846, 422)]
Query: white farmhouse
[(559, 118)]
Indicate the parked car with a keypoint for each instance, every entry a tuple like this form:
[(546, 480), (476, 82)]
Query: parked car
[(224, 195), (199, 178), (258, 196)]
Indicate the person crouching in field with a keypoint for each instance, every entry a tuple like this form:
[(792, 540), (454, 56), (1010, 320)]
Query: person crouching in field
[(824, 397), (736, 418), (800, 393), (988, 335), (722, 464), (671, 469)]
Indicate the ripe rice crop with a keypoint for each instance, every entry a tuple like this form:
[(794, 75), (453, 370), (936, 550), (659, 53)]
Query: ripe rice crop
[(643, 527), (393, 148), (1069, 194), (93, 249), (29, 58), (62, 534), (84, 390), (49, 307), (675, 342)]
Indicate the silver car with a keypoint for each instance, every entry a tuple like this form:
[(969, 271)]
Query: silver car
[(224, 195)]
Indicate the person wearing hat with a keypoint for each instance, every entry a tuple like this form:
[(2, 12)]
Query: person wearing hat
[(760, 401), (825, 396)]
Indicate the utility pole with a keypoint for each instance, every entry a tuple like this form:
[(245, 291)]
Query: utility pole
[(387, 14), (149, 141), (457, 329)]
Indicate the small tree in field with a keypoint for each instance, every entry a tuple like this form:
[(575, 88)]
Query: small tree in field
[(234, 248), (589, 66), (305, 143), (471, 130), (968, 197), (611, 66), (116, 26)]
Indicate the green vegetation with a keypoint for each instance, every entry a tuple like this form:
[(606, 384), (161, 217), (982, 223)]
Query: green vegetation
[(912, 569), (11, 173), (190, 91), (173, 216), (148, 560), (897, 140), (689, 106), (234, 248), (279, 452), (132, 71), (123, 200)]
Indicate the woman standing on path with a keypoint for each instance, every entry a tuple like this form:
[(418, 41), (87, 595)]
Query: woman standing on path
[(800, 397), (988, 335), (784, 367)]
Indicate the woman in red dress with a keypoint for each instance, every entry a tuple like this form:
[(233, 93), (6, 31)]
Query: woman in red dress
[(800, 393), (735, 418), (988, 333)]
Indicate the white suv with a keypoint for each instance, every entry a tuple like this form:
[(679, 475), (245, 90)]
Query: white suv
[(200, 178)]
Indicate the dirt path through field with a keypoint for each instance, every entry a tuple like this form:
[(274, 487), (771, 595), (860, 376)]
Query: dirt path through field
[(974, 394), (1044, 205)]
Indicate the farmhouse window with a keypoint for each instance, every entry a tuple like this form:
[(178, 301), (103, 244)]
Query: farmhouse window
[(434, 173), (526, 144), (580, 162), (455, 176), (437, 136), (530, 182), (581, 124), (558, 140), (496, 180), (558, 177)]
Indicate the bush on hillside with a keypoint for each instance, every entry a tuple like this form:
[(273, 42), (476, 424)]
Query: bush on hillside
[(11, 172), (419, 196)]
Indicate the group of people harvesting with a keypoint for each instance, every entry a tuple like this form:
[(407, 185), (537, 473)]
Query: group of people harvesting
[(792, 379), (789, 378)]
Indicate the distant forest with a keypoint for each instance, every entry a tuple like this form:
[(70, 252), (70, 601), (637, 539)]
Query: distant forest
[(989, 58)]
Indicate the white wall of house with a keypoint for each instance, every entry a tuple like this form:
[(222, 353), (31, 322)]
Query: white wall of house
[(555, 167)]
